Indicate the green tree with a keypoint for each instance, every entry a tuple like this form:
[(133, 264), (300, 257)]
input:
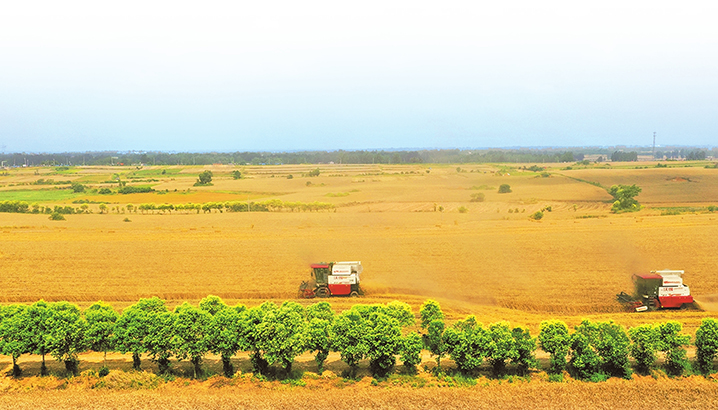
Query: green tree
[(504, 189), (467, 343), (66, 334), (501, 348), (158, 341), (554, 340), (320, 317), (644, 340), (434, 341), (236, 174), (224, 335), (249, 338), (36, 320), (314, 172), (525, 349), (429, 312), (101, 319), (13, 337), (613, 345), (212, 304), (624, 198), (103, 208), (411, 346), (281, 334), (432, 321), (584, 359), (190, 335), (349, 330), (400, 311), (706, 345), (204, 178), (383, 337), (133, 327), (672, 344)]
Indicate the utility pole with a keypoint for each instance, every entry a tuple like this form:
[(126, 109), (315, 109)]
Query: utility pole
[(654, 144)]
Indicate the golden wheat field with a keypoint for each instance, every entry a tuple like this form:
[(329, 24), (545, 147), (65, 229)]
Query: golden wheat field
[(417, 234)]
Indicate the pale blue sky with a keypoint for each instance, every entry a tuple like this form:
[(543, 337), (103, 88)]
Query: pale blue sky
[(294, 75)]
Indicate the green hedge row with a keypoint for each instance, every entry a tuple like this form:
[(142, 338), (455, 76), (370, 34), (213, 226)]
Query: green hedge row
[(274, 335)]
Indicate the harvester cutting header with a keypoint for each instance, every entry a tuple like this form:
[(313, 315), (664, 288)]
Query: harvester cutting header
[(332, 279), (657, 290)]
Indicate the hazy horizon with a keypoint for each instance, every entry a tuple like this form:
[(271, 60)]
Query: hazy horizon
[(381, 75)]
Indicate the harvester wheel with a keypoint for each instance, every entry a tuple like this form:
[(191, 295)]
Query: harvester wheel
[(322, 292), (354, 294), (654, 304)]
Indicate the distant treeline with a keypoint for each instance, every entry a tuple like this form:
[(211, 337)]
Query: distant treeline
[(437, 156)]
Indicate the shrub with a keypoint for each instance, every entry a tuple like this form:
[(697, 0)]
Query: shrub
[(536, 216), (624, 200), (77, 187), (104, 191), (463, 209), (236, 174), (134, 189), (706, 345), (290, 176), (478, 197), (56, 216), (554, 340), (504, 189), (314, 172)]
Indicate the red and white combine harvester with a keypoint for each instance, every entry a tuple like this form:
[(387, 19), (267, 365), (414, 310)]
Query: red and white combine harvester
[(332, 279), (657, 290)]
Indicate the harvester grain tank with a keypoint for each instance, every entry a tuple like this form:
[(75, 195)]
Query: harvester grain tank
[(657, 290), (332, 279)]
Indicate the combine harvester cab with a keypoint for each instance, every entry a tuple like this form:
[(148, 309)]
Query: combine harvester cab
[(332, 279), (658, 290)]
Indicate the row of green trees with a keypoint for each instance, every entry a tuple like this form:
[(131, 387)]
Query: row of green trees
[(271, 205), (274, 335)]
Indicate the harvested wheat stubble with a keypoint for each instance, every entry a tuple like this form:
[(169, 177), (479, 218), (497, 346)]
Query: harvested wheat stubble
[(690, 393)]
